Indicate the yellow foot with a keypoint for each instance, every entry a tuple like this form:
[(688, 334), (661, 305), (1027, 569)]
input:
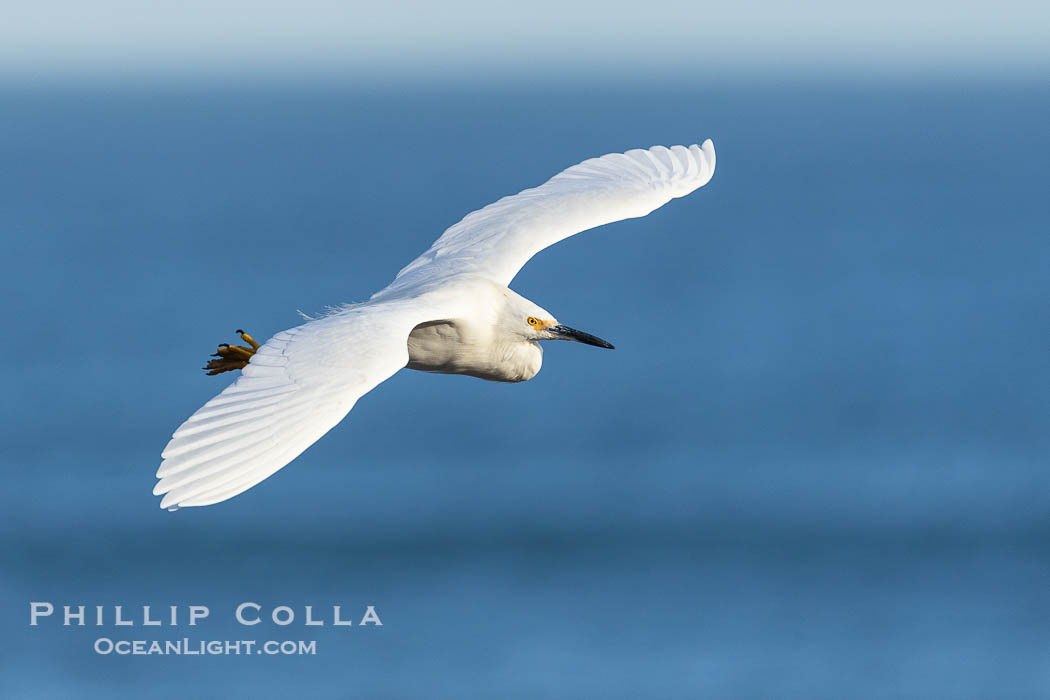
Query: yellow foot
[(232, 357)]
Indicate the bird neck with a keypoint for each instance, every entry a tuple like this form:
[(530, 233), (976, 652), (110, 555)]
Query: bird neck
[(518, 361)]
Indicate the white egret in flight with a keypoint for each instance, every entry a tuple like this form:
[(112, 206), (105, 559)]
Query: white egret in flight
[(448, 311)]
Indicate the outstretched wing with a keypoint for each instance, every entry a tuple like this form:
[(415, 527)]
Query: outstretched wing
[(295, 389), (497, 241)]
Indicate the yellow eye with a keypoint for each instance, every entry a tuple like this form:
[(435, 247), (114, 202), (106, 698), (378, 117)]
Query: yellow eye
[(533, 322)]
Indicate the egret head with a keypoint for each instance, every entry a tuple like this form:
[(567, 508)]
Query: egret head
[(535, 324)]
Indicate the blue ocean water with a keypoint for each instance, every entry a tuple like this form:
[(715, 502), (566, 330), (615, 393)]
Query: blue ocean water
[(815, 465)]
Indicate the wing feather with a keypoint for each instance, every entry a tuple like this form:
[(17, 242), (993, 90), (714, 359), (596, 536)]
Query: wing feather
[(298, 385), (499, 239)]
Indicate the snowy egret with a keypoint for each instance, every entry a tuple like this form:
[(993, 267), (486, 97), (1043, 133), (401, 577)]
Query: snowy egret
[(448, 311)]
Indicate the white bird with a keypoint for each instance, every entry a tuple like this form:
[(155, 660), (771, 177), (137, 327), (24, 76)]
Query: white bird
[(449, 311)]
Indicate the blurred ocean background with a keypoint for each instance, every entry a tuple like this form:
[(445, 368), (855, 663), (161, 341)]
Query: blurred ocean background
[(816, 465)]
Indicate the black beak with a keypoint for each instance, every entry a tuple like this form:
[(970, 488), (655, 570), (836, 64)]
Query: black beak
[(566, 333)]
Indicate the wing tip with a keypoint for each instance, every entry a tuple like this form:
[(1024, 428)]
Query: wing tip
[(708, 148), (705, 153)]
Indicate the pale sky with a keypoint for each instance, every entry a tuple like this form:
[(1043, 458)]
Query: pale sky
[(465, 37)]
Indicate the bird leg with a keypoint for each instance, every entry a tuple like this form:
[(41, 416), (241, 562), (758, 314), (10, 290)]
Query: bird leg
[(232, 357)]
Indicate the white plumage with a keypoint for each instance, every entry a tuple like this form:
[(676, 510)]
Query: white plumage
[(449, 310), (496, 241)]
